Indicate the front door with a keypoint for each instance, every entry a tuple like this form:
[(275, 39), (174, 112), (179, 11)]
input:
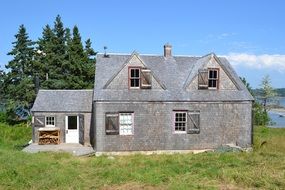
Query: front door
[(71, 129)]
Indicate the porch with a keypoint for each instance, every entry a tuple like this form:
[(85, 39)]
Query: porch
[(73, 148)]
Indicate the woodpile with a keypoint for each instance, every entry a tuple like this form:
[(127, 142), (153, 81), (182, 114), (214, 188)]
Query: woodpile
[(49, 137)]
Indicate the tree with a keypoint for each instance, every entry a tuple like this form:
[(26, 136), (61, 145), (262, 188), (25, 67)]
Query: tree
[(89, 65), (259, 116), (2, 74), (267, 91), (19, 84)]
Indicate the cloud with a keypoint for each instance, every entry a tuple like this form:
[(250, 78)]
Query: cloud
[(264, 61)]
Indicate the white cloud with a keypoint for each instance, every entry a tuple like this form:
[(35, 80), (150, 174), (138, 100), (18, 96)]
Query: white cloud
[(264, 61)]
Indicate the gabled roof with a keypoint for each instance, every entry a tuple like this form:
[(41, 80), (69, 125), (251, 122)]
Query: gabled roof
[(63, 101), (175, 73)]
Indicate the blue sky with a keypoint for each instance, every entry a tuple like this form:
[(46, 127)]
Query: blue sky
[(251, 34)]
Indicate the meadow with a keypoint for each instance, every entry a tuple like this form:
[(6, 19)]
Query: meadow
[(263, 168)]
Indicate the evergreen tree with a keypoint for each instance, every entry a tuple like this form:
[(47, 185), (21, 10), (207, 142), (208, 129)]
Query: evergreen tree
[(44, 56), (2, 74), (89, 64), (57, 66), (19, 84)]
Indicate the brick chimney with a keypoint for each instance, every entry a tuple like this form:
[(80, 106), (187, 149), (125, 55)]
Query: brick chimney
[(167, 50)]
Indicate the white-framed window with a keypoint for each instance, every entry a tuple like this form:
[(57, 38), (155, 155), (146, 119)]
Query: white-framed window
[(126, 123), (50, 121), (119, 123), (134, 77), (180, 121), (213, 78)]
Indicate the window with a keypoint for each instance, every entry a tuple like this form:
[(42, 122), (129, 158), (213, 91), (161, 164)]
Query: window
[(119, 123), (50, 122), (213, 79), (187, 122), (180, 122), (126, 124), (139, 78), (134, 75), (208, 79)]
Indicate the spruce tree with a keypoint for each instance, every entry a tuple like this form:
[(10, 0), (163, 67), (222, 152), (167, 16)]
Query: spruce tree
[(44, 56), (57, 66), (89, 65), (19, 84)]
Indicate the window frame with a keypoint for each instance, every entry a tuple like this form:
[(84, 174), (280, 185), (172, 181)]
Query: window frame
[(131, 125), (134, 78), (51, 121), (174, 121), (212, 79), (121, 125)]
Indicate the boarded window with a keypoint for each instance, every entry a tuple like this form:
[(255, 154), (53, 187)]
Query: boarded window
[(146, 79), (112, 123), (203, 79), (193, 122), (39, 121)]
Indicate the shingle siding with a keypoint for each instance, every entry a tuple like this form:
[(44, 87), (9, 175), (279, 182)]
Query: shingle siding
[(220, 123), (60, 123)]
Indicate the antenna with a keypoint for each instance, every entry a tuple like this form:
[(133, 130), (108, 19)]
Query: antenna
[(105, 52)]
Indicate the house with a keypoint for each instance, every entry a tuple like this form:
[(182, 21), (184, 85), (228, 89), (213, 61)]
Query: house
[(151, 102)]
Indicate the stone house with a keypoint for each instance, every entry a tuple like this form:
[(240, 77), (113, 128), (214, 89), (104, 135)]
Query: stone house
[(151, 102)]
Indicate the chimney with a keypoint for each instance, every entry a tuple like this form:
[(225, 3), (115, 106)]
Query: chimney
[(167, 50)]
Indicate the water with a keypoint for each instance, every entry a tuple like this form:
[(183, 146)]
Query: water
[(278, 121)]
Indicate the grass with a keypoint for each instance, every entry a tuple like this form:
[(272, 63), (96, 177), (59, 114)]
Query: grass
[(264, 168)]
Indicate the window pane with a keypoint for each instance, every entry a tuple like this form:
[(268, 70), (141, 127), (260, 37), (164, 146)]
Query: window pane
[(137, 82), (72, 122), (132, 72)]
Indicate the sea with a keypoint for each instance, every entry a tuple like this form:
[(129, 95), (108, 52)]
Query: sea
[(277, 121)]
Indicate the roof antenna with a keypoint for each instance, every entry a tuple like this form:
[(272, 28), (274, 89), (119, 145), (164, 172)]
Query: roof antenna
[(105, 50)]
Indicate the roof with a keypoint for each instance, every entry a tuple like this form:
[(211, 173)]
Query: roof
[(175, 73), (63, 101)]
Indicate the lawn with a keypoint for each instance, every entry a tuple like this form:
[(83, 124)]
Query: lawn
[(264, 168)]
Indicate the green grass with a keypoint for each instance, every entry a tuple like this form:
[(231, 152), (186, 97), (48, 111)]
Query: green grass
[(264, 168)]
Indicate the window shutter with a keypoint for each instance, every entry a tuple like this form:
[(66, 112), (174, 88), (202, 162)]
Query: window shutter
[(81, 129), (193, 122), (146, 79), (203, 79), (112, 123), (39, 121)]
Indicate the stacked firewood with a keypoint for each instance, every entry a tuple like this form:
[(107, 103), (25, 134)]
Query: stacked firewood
[(43, 141), (49, 137)]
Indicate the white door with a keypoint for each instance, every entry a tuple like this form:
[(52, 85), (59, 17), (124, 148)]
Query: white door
[(71, 129)]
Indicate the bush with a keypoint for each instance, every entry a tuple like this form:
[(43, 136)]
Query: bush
[(3, 117)]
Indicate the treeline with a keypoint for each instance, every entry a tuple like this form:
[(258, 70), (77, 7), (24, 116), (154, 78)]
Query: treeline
[(57, 60), (279, 92)]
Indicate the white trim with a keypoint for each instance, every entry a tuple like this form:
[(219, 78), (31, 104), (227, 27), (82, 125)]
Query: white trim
[(132, 125), (174, 121), (46, 125)]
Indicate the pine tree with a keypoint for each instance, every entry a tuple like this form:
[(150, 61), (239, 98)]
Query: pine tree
[(19, 84)]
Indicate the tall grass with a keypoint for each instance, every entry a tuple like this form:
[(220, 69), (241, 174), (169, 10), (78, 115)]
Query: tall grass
[(264, 168)]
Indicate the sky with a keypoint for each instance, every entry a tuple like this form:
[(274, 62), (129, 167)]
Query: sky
[(251, 34)]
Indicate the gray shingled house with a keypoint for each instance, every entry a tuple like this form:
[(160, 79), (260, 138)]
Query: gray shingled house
[(151, 102)]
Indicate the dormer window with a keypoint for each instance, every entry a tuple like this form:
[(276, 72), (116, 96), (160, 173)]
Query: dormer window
[(208, 78), (213, 78), (139, 78), (134, 77)]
